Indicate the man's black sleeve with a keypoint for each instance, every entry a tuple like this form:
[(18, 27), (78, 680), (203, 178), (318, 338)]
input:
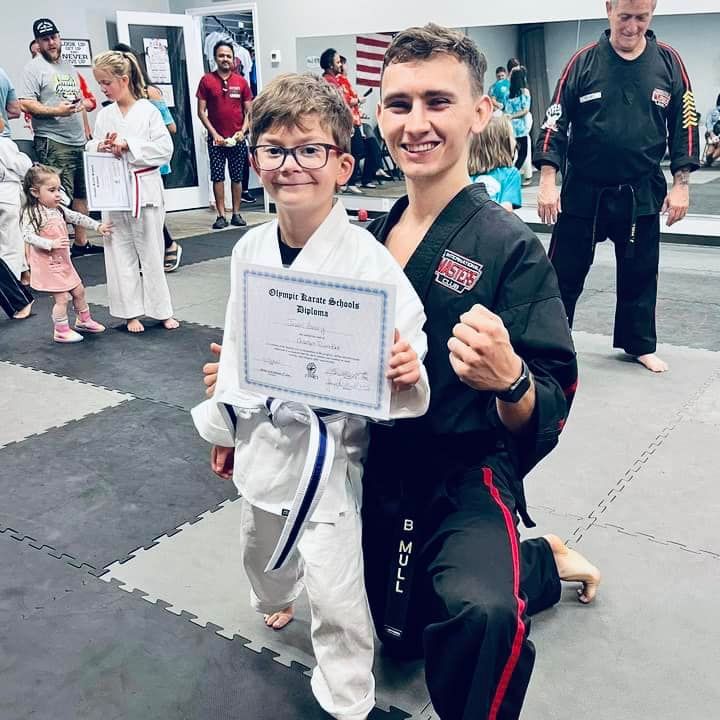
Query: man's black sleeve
[(682, 119), (532, 311), (552, 142)]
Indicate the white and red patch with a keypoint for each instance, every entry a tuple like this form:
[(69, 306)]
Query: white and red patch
[(457, 273), (661, 97)]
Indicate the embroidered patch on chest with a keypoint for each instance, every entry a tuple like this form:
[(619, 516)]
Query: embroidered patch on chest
[(661, 97), (457, 273)]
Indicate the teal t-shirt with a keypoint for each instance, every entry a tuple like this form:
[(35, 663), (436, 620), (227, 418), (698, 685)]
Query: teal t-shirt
[(502, 185), (168, 119)]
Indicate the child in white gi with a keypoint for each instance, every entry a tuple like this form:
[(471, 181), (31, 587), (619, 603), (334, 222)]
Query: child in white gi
[(44, 228), (133, 127), (301, 130)]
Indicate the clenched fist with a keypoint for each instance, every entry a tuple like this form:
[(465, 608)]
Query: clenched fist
[(480, 351)]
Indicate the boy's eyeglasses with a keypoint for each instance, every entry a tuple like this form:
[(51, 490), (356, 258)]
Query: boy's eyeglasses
[(312, 156)]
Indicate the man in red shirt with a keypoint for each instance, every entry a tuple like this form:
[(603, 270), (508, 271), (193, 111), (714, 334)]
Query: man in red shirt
[(224, 99)]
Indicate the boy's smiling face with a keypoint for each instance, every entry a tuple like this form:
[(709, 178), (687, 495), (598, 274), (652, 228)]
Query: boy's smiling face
[(292, 186), (427, 113)]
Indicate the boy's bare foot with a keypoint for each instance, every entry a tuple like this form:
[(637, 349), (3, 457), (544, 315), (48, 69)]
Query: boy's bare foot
[(573, 567), (135, 326), (278, 620), (25, 312), (653, 363), (170, 324)]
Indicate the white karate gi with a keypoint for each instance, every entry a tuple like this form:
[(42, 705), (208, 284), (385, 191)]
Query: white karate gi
[(13, 166), (138, 241), (269, 462)]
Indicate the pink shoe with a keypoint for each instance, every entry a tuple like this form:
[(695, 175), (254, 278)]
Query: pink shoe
[(67, 336), (90, 326)]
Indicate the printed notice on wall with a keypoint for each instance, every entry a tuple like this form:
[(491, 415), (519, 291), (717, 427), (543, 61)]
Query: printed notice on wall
[(77, 52), (157, 60)]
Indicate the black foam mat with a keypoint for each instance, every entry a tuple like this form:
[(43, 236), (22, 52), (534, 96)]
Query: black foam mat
[(159, 364), (98, 488), (75, 647)]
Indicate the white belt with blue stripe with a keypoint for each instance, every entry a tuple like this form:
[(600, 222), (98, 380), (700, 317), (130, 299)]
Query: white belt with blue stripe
[(315, 474)]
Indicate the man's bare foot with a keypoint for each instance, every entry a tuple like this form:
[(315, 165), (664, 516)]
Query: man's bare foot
[(24, 313), (573, 567), (653, 363), (135, 326), (278, 620), (170, 324)]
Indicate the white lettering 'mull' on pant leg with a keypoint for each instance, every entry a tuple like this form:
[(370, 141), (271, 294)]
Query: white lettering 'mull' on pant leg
[(341, 628)]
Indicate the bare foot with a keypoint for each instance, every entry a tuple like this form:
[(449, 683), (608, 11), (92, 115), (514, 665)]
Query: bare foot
[(171, 324), (25, 312), (135, 326), (653, 362), (573, 567), (278, 620)]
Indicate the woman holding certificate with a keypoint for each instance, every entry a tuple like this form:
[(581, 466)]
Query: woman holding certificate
[(132, 128)]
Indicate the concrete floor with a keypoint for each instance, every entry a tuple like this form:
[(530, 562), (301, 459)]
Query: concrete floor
[(106, 492)]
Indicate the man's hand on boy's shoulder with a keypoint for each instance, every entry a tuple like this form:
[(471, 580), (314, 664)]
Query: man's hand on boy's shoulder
[(222, 461), (404, 365)]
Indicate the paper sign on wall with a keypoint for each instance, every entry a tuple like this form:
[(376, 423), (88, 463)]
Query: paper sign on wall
[(312, 62), (168, 94), (157, 60), (77, 52)]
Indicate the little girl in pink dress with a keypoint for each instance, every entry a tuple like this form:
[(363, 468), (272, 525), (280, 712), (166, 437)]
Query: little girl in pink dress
[(43, 224)]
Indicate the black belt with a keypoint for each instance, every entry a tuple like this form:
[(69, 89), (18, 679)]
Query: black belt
[(630, 249)]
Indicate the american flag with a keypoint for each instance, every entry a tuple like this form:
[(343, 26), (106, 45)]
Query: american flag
[(370, 52)]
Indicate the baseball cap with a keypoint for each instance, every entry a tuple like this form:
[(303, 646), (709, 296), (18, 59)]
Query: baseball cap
[(44, 27)]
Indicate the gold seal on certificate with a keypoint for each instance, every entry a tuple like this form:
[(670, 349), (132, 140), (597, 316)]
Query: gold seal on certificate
[(315, 339), (107, 180)]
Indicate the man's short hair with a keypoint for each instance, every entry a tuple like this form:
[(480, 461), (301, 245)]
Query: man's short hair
[(424, 43), (499, 69), (326, 59), (288, 100), (614, 3), (223, 43)]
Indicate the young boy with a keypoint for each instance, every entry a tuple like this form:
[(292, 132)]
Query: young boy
[(301, 129)]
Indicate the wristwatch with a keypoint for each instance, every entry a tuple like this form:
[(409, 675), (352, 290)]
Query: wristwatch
[(517, 390)]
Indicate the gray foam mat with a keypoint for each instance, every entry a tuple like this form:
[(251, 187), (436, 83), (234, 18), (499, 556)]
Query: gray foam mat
[(158, 364), (75, 647), (98, 488)]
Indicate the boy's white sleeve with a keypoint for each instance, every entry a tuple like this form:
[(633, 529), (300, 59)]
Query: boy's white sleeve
[(155, 148), (211, 422), (410, 320)]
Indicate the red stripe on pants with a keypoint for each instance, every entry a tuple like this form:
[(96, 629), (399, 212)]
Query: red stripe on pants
[(512, 661)]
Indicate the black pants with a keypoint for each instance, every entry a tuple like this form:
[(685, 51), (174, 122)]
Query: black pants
[(366, 148), (472, 588), (14, 296), (572, 253), (167, 237), (522, 150)]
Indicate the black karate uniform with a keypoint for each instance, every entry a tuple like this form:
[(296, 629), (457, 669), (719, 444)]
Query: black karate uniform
[(607, 130), (444, 569), (14, 296)]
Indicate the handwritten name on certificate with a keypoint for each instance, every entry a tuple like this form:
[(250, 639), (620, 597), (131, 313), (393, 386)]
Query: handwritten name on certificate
[(315, 339), (107, 180)]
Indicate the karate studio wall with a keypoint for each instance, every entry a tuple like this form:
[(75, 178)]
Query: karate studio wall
[(81, 19)]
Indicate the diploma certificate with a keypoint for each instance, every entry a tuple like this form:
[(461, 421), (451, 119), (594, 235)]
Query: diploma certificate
[(315, 339), (107, 180)]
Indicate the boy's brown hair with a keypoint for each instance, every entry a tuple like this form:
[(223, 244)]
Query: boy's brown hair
[(492, 148), (423, 43), (289, 99)]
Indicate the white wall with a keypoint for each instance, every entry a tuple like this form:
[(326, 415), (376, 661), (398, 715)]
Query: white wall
[(80, 19), (695, 37), (282, 21), (498, 44)]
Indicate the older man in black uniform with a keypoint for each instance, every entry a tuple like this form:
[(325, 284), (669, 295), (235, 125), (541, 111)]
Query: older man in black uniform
[(618, 105)]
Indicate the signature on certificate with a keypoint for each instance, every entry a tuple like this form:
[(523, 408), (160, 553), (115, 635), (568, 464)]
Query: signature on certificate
[(348, 380)]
